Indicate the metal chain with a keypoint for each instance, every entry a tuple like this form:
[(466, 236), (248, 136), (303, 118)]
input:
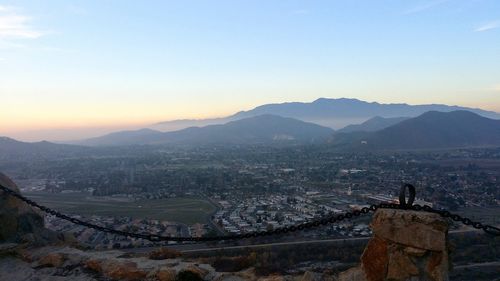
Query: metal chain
[(329, 219)]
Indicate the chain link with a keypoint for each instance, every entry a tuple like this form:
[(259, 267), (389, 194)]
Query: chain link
[(329, 219)]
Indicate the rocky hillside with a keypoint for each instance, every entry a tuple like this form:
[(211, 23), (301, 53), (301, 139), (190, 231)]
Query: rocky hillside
[(64, 263)]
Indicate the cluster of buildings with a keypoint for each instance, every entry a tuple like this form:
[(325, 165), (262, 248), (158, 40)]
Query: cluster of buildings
[(101, 240), (260, 213)]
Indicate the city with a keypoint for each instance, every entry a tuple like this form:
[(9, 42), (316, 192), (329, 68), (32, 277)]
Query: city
[(247, 191)]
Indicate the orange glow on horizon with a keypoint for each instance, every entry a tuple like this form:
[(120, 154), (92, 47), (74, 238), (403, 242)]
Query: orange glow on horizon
[(101, 116), (64, 121)]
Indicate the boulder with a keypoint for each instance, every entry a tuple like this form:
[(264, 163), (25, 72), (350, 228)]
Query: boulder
[(193, 272), (126, 270), (52, 260), (416, 229), (352, 274), (375, 259), (406, 245), (311, 276), (116, 269), (94, 265), (20, 222), (165, 274), (164, 253), (400, 266)]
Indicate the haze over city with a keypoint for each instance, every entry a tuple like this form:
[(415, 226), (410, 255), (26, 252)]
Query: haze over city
[(85, 68)]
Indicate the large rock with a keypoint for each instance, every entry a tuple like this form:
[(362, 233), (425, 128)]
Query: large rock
[(375, 258), (165, 274), (418, 229), (406, 245), (352, 274), (21, 223), (113, 265), (123, 270), (164, 253), (52, 260)]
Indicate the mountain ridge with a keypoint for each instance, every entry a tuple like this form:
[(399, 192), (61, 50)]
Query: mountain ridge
[(11, 148), (328, 112), (127, 137), (431, 130), (373, 124), (257, 129), (440, 130)]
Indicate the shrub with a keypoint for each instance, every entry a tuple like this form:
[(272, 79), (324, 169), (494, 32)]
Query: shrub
[(164, 253)]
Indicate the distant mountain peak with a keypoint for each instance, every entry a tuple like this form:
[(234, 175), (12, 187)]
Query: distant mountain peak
[(3, 138), (435, 129), (456, 113), (332, 100), (373, 124)]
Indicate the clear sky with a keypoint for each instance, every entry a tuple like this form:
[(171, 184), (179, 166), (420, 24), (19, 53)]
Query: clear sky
[(103, 65)]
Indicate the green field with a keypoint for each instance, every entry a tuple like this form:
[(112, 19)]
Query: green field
[(186, 210)]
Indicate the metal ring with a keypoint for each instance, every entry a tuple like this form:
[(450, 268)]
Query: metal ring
[(402, 196)]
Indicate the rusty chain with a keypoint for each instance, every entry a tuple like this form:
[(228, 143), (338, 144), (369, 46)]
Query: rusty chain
[(329, 219)]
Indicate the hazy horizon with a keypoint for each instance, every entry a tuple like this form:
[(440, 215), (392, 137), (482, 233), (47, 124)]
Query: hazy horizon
[(59, 134)]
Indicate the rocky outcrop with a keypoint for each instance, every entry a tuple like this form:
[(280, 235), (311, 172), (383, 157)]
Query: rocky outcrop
[(21, 223), (407, 245), (65, 263), (73, 264)]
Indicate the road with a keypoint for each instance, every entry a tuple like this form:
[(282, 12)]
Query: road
[(201, 247), (207, 248), (495, 264), (340, 240), (216, 227)]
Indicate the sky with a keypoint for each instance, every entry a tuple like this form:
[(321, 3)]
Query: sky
[(72, 69)]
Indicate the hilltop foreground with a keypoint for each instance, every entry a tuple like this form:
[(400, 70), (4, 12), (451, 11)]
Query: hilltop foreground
[(406, 244)]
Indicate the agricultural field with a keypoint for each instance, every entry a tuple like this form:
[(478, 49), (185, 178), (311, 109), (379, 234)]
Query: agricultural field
[(188, 210)]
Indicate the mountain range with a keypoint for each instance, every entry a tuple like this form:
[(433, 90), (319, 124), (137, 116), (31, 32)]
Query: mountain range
[(333, 113), (324, 112), (440, 130), (431, 130), (253, 130), (12, 150)]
